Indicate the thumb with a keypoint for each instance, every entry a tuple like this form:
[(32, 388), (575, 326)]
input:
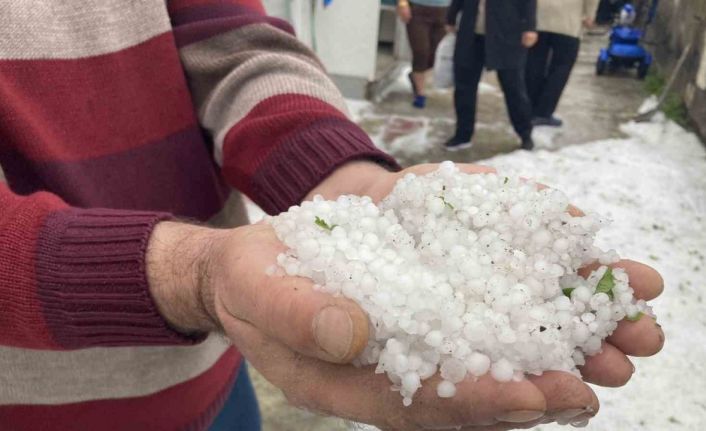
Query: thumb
[(289, 309)]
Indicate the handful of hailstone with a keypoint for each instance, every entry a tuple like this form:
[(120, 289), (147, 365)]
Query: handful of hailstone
[(462, 274)]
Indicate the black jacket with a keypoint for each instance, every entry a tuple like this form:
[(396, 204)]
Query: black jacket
[(505, 21)]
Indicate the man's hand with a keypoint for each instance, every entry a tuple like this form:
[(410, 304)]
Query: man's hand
[(300, 339), (529, 38), (588, 22), (450, 29), (404, 11)]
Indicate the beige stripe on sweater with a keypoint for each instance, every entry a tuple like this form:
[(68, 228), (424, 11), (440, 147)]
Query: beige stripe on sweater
[(51, 377), (48, 29), (251, 64)]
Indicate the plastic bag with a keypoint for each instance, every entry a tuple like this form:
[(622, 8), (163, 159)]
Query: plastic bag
[(444, 62)]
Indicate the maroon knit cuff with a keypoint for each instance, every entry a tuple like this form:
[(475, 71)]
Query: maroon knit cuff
[(307, 157), (92, 281)]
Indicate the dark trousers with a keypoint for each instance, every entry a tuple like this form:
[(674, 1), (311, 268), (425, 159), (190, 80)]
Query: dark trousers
[(549, 66), (468, 67)]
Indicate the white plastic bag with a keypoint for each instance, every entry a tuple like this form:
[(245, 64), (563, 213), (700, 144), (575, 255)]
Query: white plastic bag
[(444, 62)]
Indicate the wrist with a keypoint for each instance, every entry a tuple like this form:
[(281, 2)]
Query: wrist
[(177, 267), (352, 178)]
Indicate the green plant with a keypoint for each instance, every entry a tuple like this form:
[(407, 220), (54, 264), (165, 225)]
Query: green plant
[(673, 106), (654, 83), (675, 109)]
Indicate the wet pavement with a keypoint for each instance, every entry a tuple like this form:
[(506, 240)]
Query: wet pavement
[(592, 109)]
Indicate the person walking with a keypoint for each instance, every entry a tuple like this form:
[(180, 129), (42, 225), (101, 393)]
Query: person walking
[(552, 58), (495, 35), (425, 21)]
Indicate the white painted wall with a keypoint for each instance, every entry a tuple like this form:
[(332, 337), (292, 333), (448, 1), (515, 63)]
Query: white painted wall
[(344, 35)]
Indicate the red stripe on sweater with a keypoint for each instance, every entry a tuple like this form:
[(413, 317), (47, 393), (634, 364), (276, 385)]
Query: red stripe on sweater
[(89, 107), (200, 13), (22, 321), (177, 5), (175, 174), (250, 141), (189, 406)]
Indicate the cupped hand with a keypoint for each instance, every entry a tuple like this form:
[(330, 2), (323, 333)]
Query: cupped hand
[(642, 338), (301, 340)]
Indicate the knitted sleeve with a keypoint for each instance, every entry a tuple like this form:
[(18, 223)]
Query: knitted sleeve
[(278, 123), (74, 278)]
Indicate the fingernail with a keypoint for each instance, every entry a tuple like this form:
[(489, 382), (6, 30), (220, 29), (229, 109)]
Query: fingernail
[(520, 416), (569, 414), (580, 424), (574, 415), (333, 331)]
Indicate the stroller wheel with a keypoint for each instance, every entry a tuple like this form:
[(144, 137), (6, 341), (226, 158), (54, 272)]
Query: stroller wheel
[(601, 67)]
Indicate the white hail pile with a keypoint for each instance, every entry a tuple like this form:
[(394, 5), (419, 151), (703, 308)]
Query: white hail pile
[(462, 274)]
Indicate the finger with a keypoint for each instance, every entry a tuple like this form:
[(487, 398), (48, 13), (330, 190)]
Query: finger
[(480, 402), (572, 210), (566, 395), (506, 426), (645, 280), (361, 395), (289, 309), (476, 169), (641, 338), (466, 168), (609, 368)]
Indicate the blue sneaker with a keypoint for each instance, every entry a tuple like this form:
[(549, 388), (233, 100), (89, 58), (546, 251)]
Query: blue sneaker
[(420, 102)]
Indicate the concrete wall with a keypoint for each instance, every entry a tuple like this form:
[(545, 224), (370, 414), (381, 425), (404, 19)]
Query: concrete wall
[(343, 35), (678, 23)]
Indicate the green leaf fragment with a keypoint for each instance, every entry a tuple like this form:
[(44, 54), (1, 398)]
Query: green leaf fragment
[(606, 284), (448, 205), (322, 224), (636, 317), (568, 291), (506, 180)]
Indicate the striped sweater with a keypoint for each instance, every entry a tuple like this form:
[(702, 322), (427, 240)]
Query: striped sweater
[(114, 115)]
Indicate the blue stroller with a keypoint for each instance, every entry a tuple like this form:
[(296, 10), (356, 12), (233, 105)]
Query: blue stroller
[(625, 49)]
